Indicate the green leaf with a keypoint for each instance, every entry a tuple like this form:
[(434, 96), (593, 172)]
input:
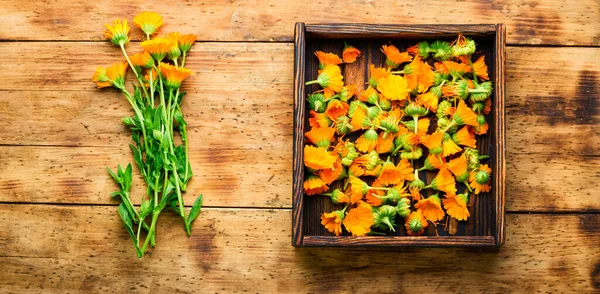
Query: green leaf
[(129, 226), (116, 193), (112, 174), (195, 211), (128, 178), (137, 157), (174, 205), (145, 208), (137, 95)]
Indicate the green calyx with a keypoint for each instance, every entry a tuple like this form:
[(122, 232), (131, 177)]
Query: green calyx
[(481, 91), (354, 105), (317, 102), (343, 125), (384, 217), (403, 207), (482, 177), (413, 110), (466, 49)]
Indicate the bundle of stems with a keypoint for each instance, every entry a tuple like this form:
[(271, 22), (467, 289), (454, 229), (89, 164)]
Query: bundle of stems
[(157, 120)]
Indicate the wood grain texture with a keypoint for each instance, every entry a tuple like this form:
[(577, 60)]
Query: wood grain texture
[(298, 135), (57, 249), (551, 123), (531, 22), (499, 99)]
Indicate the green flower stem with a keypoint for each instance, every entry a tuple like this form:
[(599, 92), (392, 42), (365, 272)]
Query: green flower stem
[(450, 125), (379, 188), (180, 199), (311, 82), (416, 120), (183, 55), (135, 72)]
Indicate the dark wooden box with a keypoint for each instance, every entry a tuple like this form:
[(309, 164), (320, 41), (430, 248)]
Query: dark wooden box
[(485, 227)]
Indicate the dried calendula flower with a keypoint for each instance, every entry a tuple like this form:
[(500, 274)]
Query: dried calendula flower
[(333, 221), (350, 53), (415, 223), (359, 220)]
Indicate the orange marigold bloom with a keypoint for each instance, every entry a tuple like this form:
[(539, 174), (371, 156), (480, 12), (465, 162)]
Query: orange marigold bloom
[(314, 185), (415, 223), (333, 221), (318, 120), (118, 33), (186, 41), (376, 74), (158, 47), (357, 186), (142, 59), (480, 179), (449, 147), (150, 73), (174, 52), (326, 59), (441, 68), (444, 181), (367, 141), (456, 206), (394, 57), (336, 108), (331, 79), (384, 145), (431, 208), (390, 174), (480, 68), (358, 119), (148, 22), (429, 100), (420, 76), (393, 87), (482, 129), (318, 158), (331, 174), (356, 170), (465, 138), (114, 75), (174, 75), (359, 220), (463, 115), (433, 162), (433, 142), (320, 136), (350, 54), (454, 67), (458, 167), (369, 95), (371, 196)]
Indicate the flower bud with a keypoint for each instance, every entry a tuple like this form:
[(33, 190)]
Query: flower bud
[(482, 177), (472, 158), (481, 92), (413, 110), (343, 125), (481, 119), (317, 102), (373, 112), (403, 207), (442, 106), (385, 104), (384, 217), (467, 47), (415, 154)]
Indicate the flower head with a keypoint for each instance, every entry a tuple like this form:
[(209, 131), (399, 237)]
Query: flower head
[(464, 115), (393, 87), (318, 119), (456, 206), (158, 47), (465, 138), (359, 220), (480, 179), (384, 217), (336, 108), (332, 221), (480, 68), (329, 175), (314, 185), (393, 56), (358, 186), (376, 74), (320, 136), (114, 76), (433, 162), (174, 75), (118, 32), (350, 54), (367, 141), (142, 59), (433, 142), (458, 167), (326, 59), (148, 22), (318, 158), (186, 41), (415, 223), (174, 51), (444, 181), (431, 208), (448, 146), (330, 78)]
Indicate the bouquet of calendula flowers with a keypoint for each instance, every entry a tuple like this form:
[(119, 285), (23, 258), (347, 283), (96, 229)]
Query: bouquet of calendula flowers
[(426, 105), (156, 102)]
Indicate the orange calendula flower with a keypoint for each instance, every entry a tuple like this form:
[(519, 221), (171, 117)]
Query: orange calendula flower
[(455, 68), (420, 75), (458, 167), (393, 56), (372, 195), (358, 186), (326, 59), (367, 141), (393, 175), (480, 179), (318, 119), (336, 108), (142, 59), (415, 223), (465, 138), (376, 74), (151, 73), (431, 208), (449, 147), (118, 33), (429, 99), (384, 145), (186, 41), (370, 95), (350, 53), (114, 76), (356, 170), (332, 221), (320, 136), (148, 22), (433, 142), (331, 174), (359, 220), (456, 206), (393, 88), (444, 181), (314, 185), (174, 51), (463, 115), (358, 119), (480, 68), (174, 75), (318, 158), (330, 78), (433, 162), (158, 47)]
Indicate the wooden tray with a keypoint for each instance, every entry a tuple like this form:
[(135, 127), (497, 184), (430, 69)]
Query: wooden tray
[(485, 227)]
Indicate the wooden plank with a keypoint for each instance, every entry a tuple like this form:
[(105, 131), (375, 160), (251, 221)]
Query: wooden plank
[(263, 178), (534, 22), (235, 250), (254, 81)]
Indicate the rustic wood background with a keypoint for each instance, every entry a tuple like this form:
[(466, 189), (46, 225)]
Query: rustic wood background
[(59, 229)]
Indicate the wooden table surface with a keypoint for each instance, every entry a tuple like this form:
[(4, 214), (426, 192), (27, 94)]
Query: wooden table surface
[(59, 228)]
